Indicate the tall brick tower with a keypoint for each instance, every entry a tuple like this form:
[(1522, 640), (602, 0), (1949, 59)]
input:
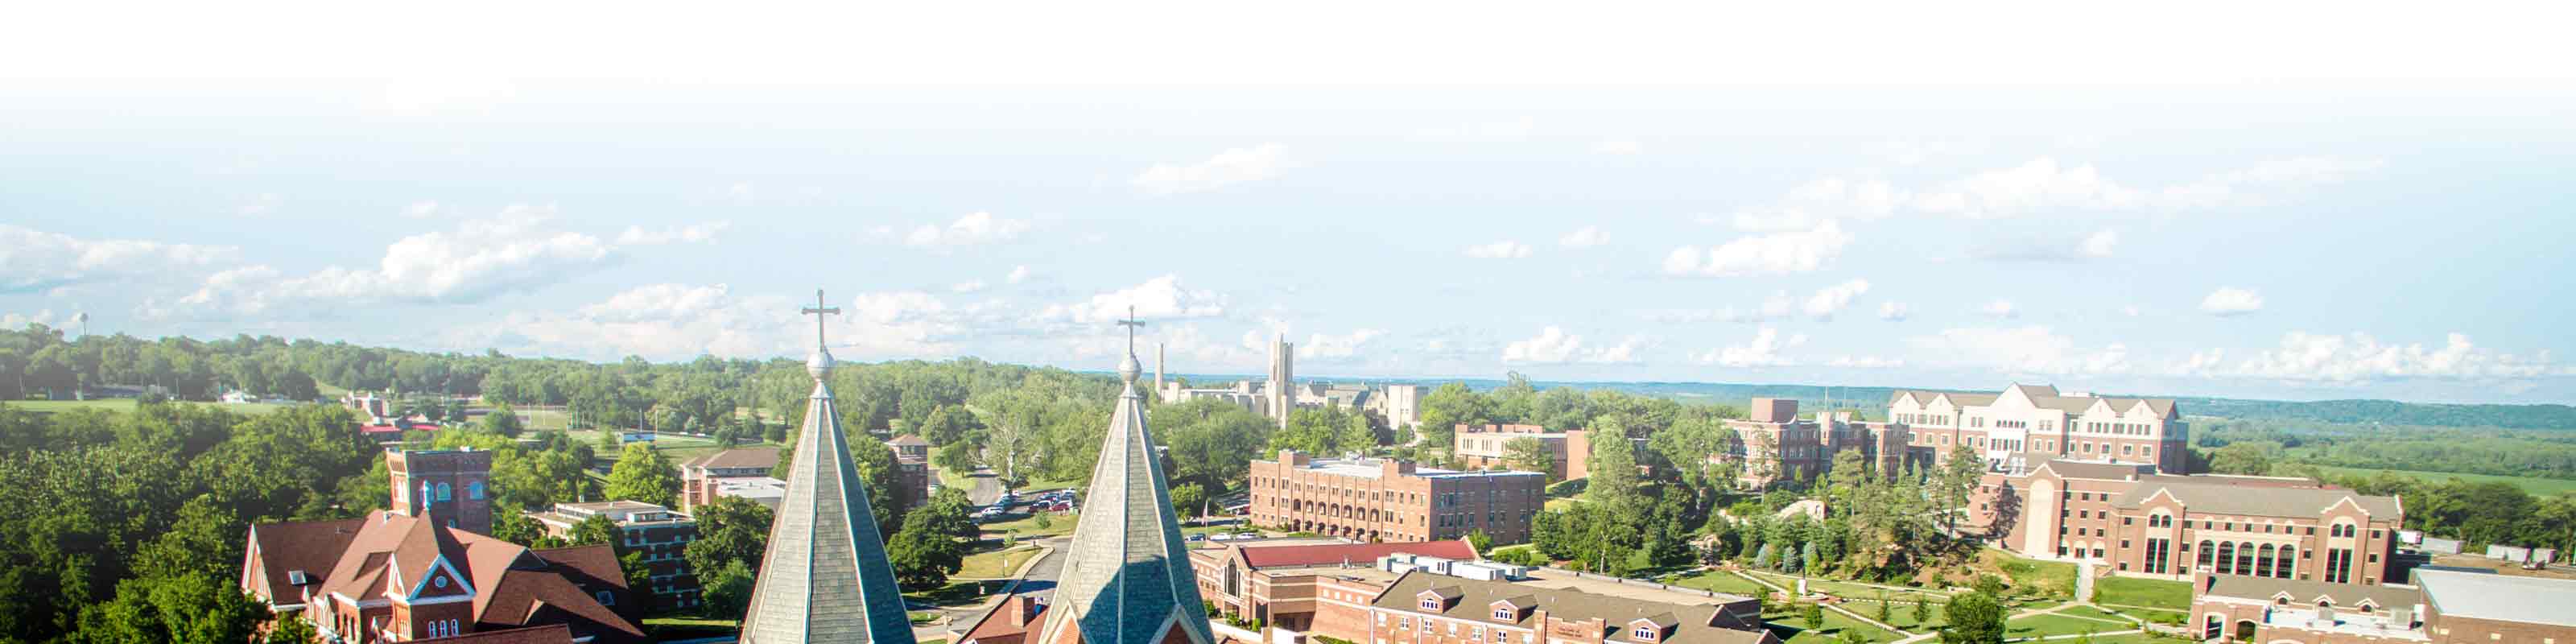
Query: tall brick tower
[(449, 486)]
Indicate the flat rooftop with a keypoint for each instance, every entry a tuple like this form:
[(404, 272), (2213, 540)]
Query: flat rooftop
[(1544, 578), (1369, 468)]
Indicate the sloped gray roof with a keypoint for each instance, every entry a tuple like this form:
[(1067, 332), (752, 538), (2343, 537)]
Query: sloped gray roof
[(1690, 622), (2095, 470), (2220, 495), (2042, 396), (2508, 598), (2306, 592), (825, 577), (1126, 573)]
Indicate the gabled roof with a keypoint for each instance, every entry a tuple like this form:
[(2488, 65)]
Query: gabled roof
[(825, 577), (2221, 495), (2306, 592), (1259, 557), (740, 457), (1688, 623), (1126, 577), (547, 634), (311, 547), (389, 553), (908, 440), (1443, 592)]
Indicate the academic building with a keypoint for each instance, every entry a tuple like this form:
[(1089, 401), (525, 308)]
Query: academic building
[(417, 573), (2441, 607), (1427, 608), (1483, 447), (704, 478), (655, 532), (2034, 421), (1380, 499), (1318, 587), (1773, 444), (2126, 516)]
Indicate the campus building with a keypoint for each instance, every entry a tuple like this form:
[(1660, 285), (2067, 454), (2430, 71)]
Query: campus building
[(911, 469), (1317, 587), (2030, 421), (448, 486), (703, 477), (1773, 444), (1427, 608), (2127, 517), (1489, 447), (1380, 499), (656, 532), (2441, 607), (406, 574)]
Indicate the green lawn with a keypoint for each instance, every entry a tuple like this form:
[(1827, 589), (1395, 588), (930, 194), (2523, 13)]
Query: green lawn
[(2535, 485), (2046, 625), (2088, 611), (996, 564), (1902, 616), (1724, 582), (125, 405), (682, 627), (2130, 638), (2032, 576), (2132, 591), (956, 593), (2166, 617), (1852, 590), (1785, 622), (1027, 528)]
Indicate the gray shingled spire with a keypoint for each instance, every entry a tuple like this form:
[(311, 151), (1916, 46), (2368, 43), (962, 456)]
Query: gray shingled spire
[(825, 576), (1127, 579)]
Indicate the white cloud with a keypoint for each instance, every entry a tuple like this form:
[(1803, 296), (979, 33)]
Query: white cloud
[(1018, 274), (968, 286), (1336, 346), (1762, 351), (1772, 254), (969, 230), (1830, 299), (17, 321), (678, 321), (2130, 310), (1866, 362), (1822, 200), (2048, 247), (421, 209), (2230, 301), (1554, 346), (1618, 146), (1238, 165), (2000, 308), (1159, 298), (1509, 130), (508, 252), (260, 205), (739, 190), (701, 232), (34, 260), (2022, 350), (1505, 249), (1892, 311), (2358, 357), (1587, 237), (2031, 187)]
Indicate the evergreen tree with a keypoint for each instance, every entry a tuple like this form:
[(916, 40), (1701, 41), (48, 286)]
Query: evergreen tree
[(1813, 614)]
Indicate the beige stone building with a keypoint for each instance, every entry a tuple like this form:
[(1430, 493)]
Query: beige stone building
[(2034, 421), (1485, 447)]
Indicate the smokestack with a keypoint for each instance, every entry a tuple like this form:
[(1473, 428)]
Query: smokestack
[(1158, 370)]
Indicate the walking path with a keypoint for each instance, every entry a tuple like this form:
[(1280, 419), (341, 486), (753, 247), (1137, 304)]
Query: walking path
[(1832, 607), (2136, 626)]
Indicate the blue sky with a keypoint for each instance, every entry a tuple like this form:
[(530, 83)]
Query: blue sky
[(2315, 239)]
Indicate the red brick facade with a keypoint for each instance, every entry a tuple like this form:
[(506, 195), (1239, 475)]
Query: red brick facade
[(1391, 500)]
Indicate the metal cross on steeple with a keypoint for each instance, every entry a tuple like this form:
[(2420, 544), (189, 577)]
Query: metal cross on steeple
[(818, 311), (1131, 323)]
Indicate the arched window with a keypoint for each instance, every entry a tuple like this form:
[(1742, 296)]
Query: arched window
[(474, 490), (2289, 557), (2263, 562), (2227, 558), (2245, 559), (446, 493), (2205, 545)]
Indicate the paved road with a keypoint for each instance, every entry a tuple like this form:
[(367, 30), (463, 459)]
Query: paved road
[(1040, 582), (988, 487)]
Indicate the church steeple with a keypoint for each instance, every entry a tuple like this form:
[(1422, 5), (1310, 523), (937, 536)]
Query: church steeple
[(825, 577), (1127, 579)]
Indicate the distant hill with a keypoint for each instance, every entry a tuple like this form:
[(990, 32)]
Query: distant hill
[(1873, 401)]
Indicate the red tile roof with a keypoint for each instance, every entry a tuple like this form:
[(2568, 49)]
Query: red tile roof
[(995, 624), (512, 585), (1317, 555), (547, 634), (308, 546)]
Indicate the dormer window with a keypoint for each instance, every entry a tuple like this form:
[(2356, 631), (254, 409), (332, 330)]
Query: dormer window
[(297, 578), (1506, 613), (1642, 633), (1431, 603)]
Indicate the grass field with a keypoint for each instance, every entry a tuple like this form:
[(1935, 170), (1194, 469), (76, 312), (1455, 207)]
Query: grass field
[(1786, 623), (2046, 625), (1902, 616), (1724, 582), (996, 564), (1851, 590), (2132, 591), (2167, 617), (124, 405), (2535, 485), (1057, 523), (2031, 576), (2088, 611)]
